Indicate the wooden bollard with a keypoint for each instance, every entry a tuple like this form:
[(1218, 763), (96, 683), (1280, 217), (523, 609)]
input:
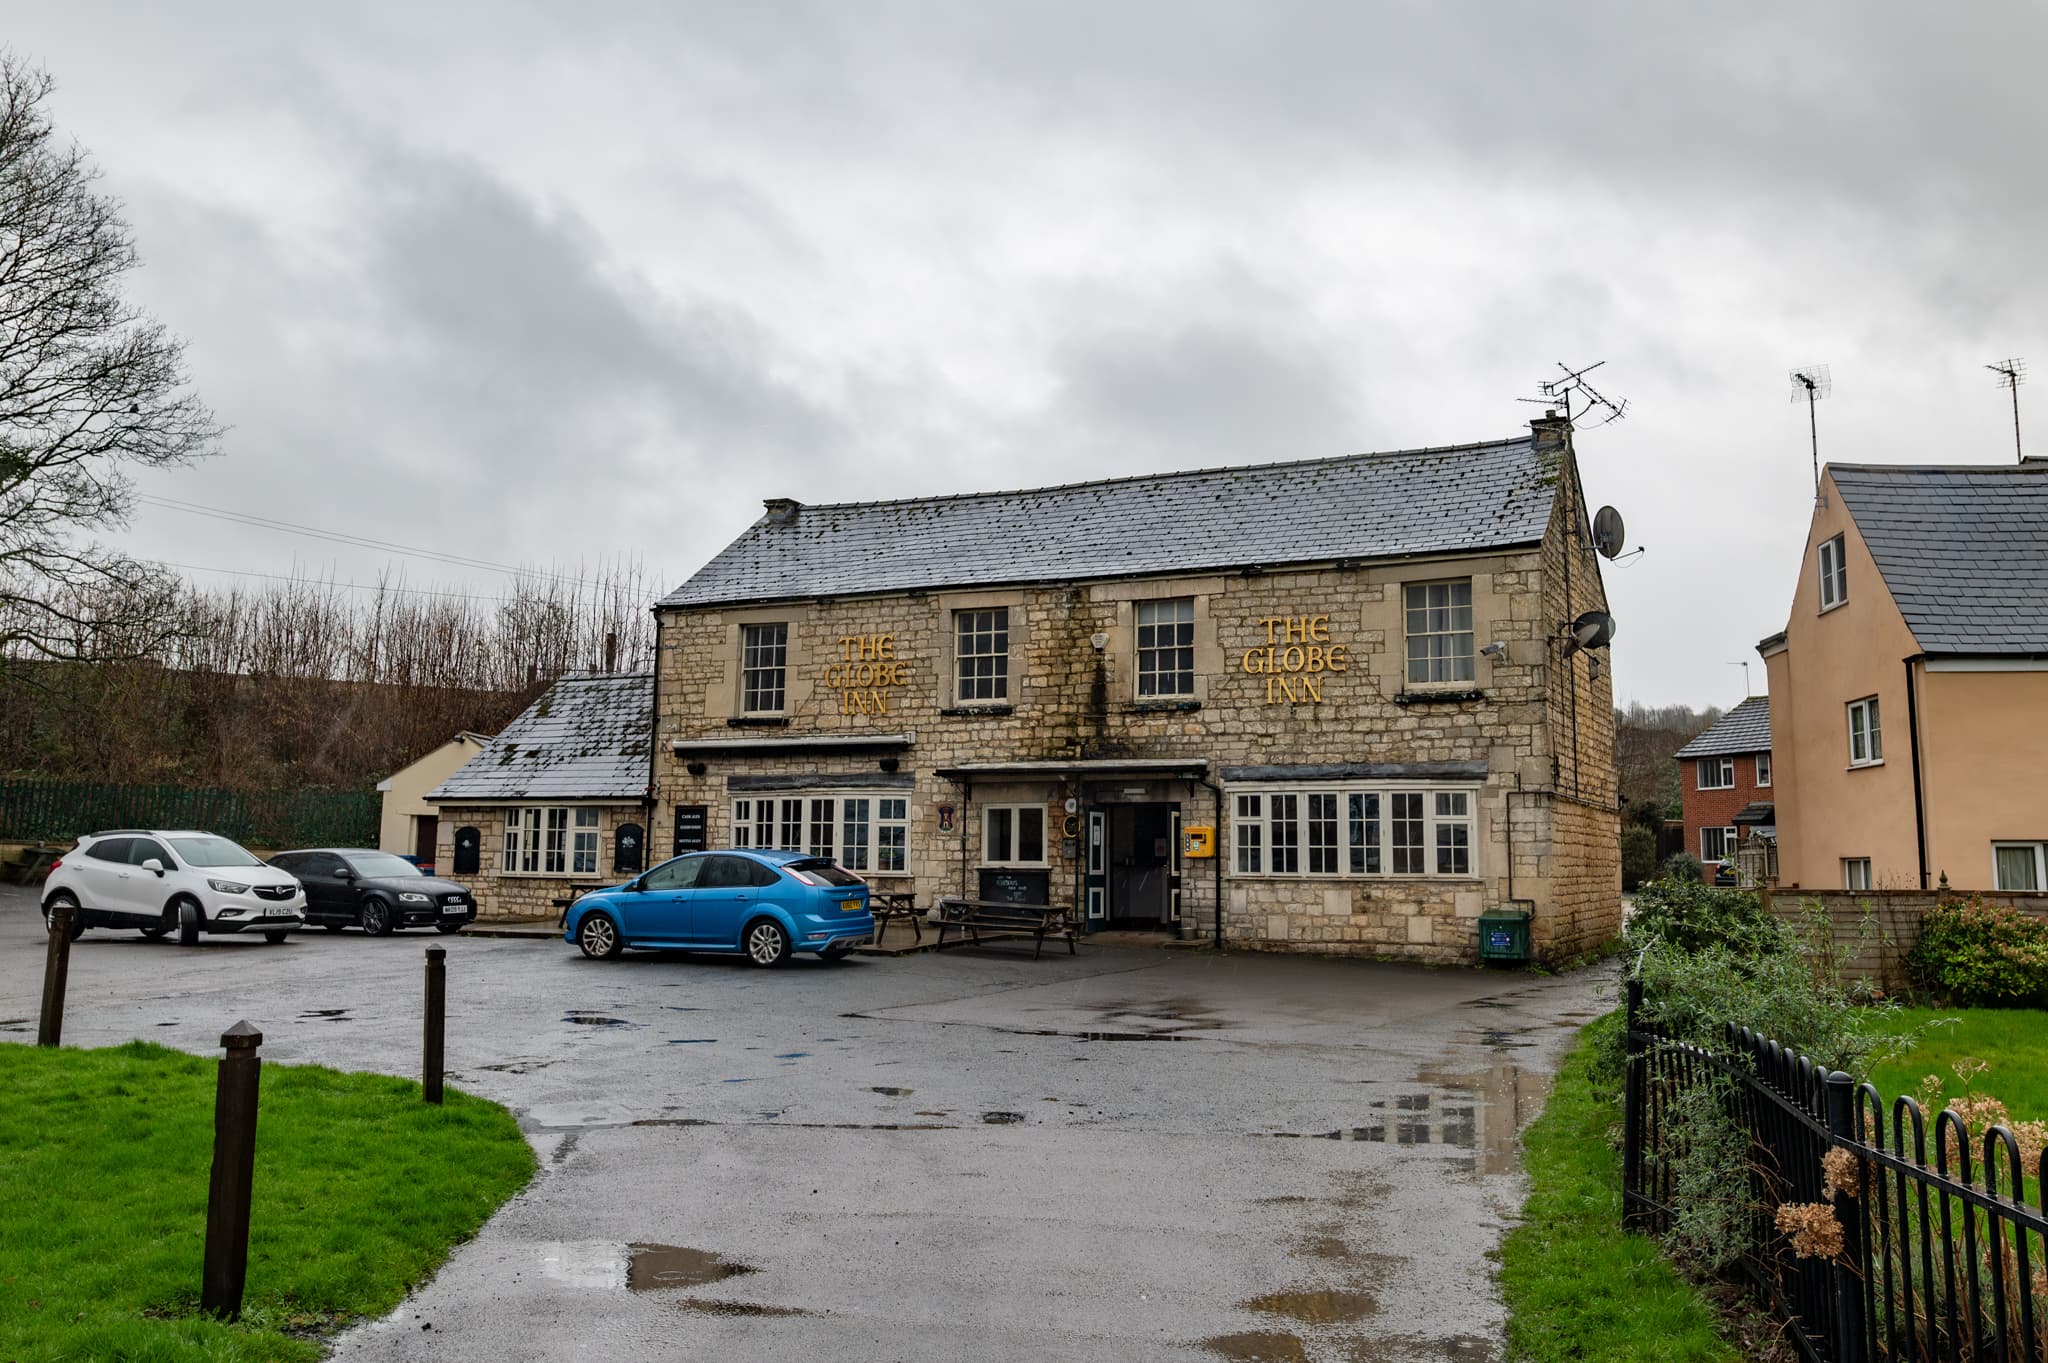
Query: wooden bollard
[(56, 970), (433, 1048), (234, 1172)]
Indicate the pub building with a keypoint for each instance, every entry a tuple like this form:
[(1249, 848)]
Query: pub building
[(1332, 705)]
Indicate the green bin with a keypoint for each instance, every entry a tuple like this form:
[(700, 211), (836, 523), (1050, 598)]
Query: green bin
[(1504, 935)]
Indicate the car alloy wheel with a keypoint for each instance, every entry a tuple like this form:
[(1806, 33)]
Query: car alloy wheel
[(163, 926), (767, 943), (275, 938), (376, 917), (186, 914), (77, 914), (598, 937)]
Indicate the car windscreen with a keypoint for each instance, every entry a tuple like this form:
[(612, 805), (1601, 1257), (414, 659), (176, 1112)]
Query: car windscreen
[(824, 872), (379, 865), (211, 852)]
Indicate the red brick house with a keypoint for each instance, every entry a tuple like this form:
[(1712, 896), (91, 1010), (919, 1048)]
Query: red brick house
[(1724, 782)]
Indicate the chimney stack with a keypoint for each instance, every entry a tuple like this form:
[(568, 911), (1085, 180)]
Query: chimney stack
[(782, 510), (1552, 431), (611, 653)]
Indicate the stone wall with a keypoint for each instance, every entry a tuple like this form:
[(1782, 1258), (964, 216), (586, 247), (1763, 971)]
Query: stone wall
[(1871, 931), (517, 895)]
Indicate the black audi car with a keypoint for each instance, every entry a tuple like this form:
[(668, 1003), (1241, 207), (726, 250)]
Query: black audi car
[(376, 891)]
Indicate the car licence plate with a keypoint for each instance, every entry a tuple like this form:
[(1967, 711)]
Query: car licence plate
[(455, 908), (850, 905)]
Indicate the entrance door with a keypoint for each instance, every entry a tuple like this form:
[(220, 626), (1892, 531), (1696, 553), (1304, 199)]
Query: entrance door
[(426, 832), (1141, 863), (1095, 890)]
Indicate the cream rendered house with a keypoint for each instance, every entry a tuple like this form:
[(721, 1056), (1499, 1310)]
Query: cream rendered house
[(1909, 688), (409, 825)]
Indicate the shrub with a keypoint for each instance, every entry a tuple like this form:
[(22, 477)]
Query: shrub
[(1690, 916), (1638, 855), (1977, 955), (1682, 866)]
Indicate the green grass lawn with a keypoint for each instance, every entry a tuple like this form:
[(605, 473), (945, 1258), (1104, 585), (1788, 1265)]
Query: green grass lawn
[(2012, 1041), (361, 1190), (1577, 1288)]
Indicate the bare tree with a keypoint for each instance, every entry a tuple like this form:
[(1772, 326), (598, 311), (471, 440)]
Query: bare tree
[(90, 387)]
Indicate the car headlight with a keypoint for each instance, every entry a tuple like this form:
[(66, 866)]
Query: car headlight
[(229, 886), (412, 897)]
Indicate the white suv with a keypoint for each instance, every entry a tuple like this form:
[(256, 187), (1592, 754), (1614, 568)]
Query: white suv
[(164, 882)]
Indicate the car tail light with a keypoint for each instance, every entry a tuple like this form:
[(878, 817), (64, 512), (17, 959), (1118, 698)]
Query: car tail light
[(57, 865)]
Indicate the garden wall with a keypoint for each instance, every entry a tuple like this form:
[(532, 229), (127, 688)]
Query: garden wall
[(1872, 930)]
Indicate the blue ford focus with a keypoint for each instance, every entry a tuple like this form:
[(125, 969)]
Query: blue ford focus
[(763, 905)]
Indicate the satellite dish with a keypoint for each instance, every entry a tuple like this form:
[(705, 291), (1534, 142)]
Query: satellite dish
[(1608, 533), (1594, 629)]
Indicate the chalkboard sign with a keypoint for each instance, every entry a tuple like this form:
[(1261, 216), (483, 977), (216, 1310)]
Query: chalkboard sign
[(1016, 887), (691, 821), (628, 848), (468, 850)]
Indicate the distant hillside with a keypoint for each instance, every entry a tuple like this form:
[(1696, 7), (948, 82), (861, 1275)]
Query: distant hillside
[(1645, 738)]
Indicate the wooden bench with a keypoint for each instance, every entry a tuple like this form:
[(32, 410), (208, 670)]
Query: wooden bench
[(889, 905), (30, 865), (978, 917)]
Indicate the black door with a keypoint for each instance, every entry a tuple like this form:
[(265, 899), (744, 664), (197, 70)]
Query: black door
[(1141, 865)]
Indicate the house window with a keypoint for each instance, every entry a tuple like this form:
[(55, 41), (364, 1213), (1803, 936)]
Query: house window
[(2019, 865), (1717, 844), (981, 654), (764, 661), (1855, 873), (1166, 647), (1013, 835), (1717, 773), (1866, 740), (862, 832), (1440, 631), (1834, 575), (1336, 832), (551, 842), (1763, 768)]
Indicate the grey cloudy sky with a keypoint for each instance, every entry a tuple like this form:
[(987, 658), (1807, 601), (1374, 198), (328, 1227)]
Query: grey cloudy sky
[(547, 283)]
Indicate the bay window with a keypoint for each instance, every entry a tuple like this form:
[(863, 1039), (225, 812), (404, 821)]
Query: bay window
[(550, 841)]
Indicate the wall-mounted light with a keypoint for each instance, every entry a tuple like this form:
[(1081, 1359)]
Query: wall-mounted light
[(1494, 649), (1101, 641), (890, 764)]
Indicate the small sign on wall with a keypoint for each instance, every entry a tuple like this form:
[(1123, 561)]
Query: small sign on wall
[(692, 824)]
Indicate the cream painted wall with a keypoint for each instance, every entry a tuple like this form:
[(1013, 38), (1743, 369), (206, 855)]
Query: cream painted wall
[(1827, 811), (404, 800), (1984, 747)]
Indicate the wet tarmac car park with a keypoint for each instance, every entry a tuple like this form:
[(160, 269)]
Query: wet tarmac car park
[(967, 1156)]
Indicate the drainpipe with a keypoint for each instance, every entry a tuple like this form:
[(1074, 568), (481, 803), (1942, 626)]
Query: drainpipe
[(653, 756), (1507, 800), (1913, 735), (1216, 862)]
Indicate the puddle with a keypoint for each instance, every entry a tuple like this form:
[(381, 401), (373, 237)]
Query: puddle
[(652, 1268), (693, 1041), (1325, 1247), (678, 1008), (888, 1092), (23, 1022), (674, 1121), (594, 1020), (793, 1055), (1417, 1119), (517, 1066), (1002, 1118), (1404, 1348), (1503, 1099), (1322, 1306), (736, 1081), (324, 1015), (940, 1112), (1504, 1040), (1262, 1347), (160, 1024), (737, 1308)]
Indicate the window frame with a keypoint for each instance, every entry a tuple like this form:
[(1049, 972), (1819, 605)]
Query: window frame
[(1872, 732), (1725, 766), (1834, 579), (1850, 866), (1730, 837), (997, 630), (2040, 851), (561, 842), (749, 691), (1391, 830), (792, 821), (1763, 770), (1146, 658), (1461, 668), (1013, 816)]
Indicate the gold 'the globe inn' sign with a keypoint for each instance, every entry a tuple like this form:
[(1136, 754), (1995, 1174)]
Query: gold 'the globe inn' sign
[(1296, 657), (867, 668)]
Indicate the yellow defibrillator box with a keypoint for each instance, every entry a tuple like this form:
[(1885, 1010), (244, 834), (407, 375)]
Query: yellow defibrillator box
[(1198, 842)]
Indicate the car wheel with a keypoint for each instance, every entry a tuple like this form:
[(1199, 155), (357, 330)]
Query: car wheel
[(598, 937), (77, 914), (448, 928), (376, 917), (186, 914), (275, 938), (163, 926), (334, 927), (766, 943)]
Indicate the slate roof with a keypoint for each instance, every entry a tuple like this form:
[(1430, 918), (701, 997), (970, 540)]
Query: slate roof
[(1459, 498), (1964, 550), (1746, 728), (585, 739)]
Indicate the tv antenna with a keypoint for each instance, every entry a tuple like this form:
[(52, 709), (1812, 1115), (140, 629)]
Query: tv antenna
[(1744, 665), (1574, 385), (1813, 384), (2011, 374)]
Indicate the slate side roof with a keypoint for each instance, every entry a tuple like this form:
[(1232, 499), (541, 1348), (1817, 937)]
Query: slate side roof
[(1464, 497), (1963, 549), (1746, 728), (585, 739)]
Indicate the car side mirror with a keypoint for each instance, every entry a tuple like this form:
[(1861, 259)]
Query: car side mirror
[(153, 865), (636, 884), (345, 874)]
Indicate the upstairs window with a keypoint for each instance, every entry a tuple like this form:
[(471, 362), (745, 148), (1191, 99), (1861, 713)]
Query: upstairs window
[(1439, 631), (1166, 647), (1866, 741), (981, 653), (1763, 768), (1834, 575), (764, 662), (1717, 773)]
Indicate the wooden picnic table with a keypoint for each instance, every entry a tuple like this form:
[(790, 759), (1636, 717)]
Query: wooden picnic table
[(996, 918), (889, 905)]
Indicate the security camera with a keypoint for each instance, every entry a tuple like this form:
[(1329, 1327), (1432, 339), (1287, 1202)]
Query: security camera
[(1494, 649)]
